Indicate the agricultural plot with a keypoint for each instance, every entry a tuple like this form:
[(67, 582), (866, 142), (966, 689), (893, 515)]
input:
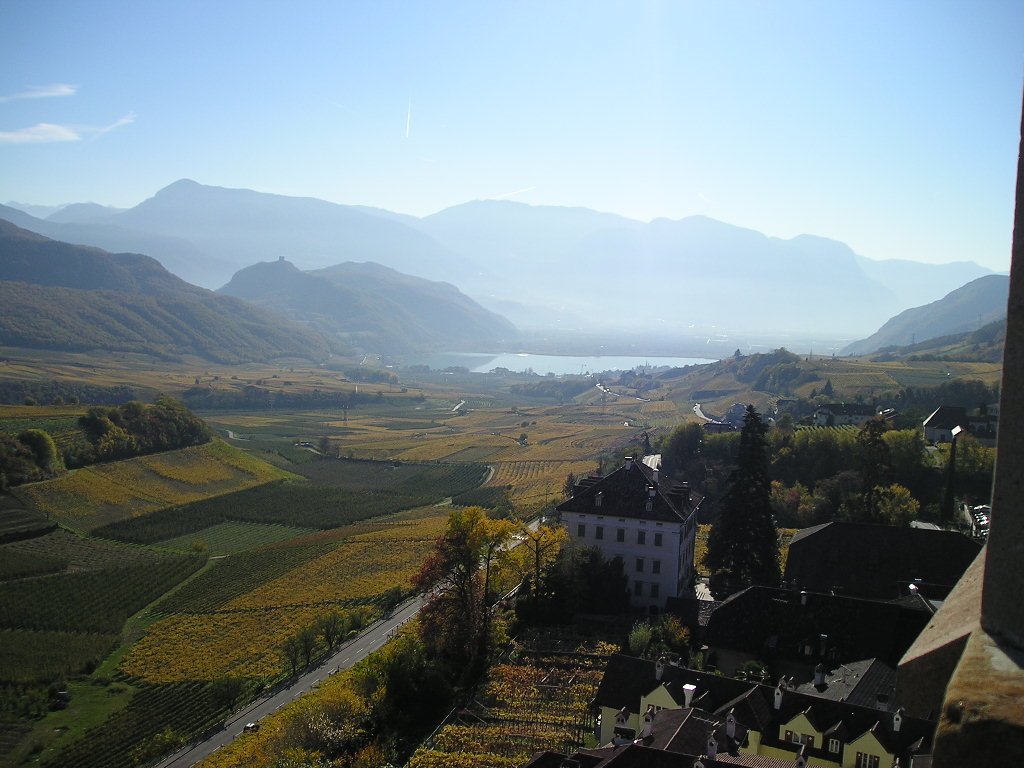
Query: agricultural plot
[(157, 720), (532, 484), (231, 538), (210, 646), (90, 497), (539, 702), (318, 503), (29, 656)]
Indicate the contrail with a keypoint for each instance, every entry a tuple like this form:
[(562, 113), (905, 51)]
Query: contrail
[(513, 194), (408, 119)]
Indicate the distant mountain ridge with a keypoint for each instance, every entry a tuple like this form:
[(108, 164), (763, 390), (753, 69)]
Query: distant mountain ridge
[(968, 308), (372, 307), (61, 296), (545, 267)]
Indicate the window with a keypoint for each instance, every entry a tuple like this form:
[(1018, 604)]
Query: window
[(598, 532), (581, 530), (809, 741), (865, 760), (641, 537), (638, 588), (620, 534), (655, 590), (656, 566), (794, 737), (833, 746), (657, 539), (639, 565)]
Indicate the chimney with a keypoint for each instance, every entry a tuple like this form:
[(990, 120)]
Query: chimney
[(629, 463), (897, 720), (648, 721), (598, 498), (824, 645), (819, 675), (657, 472), (803, 597), (730, 725), (659, 668), (688, 690), (778, 696), (712, 746)]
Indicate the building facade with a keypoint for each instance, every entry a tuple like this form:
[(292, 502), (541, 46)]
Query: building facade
[(651, 524)]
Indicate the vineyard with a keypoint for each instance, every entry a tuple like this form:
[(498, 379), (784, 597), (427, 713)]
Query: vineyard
[(91, 497), (322, 501), (537, 700)]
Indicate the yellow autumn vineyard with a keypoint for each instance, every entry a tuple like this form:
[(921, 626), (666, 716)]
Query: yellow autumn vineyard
[(212, 646)]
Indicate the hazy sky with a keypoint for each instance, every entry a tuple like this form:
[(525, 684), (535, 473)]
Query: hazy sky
[(892, 126)]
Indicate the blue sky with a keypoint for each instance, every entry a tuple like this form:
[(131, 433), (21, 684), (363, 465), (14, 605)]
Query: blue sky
[(892, 126)]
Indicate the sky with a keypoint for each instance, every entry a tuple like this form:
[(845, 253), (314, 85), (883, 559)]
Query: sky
[(892, 126)]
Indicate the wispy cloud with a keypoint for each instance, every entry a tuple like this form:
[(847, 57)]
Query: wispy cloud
[(121, 121), (40, 133), (49, 133), (516, 192), (42, 92)]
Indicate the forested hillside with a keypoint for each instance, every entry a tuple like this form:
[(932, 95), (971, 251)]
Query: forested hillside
[(67, 297)]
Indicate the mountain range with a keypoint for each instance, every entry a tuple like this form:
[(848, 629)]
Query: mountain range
[(371, 307), (966, 309), (68, 297), (61, 296), (542, 267)]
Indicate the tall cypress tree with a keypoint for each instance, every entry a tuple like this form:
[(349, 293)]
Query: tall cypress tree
[(743, 548)]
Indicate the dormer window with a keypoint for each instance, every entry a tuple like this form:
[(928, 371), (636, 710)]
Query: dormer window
[(598, 498), (833, 746)]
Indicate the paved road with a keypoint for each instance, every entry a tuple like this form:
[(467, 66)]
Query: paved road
[(368, 641), (700, 413)]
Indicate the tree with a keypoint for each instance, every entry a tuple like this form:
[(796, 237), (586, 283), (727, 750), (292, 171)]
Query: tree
[(332, 628), (896, 505), (47, 457), (827, 390), (569, 486), (455, 621), (743, 548), (640, 637), (307, 643), (536, 554), (874, 465), (290, 651)]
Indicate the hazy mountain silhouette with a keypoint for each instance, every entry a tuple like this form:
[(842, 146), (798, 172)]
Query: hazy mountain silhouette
[(968, 308), (61, 296), (82, 212), (542, 267), (372, 307)]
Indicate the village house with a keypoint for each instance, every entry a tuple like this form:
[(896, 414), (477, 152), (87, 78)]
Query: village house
[(841, 647), (766, 721), (939, 426), (648, 521), (844, 414), (877, 561)]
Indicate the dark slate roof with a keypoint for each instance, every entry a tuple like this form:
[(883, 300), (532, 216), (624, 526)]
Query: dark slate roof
[(625, 492), (877, 561), (721, 695), (855, 628), (866, 683), (947, 417)]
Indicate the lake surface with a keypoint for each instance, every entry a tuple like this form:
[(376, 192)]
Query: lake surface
[(482, 362)]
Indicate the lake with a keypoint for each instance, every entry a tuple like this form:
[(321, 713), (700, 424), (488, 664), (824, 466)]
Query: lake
[(482, 362)]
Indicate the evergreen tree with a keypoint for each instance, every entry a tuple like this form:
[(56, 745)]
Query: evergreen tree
[(743, 548)]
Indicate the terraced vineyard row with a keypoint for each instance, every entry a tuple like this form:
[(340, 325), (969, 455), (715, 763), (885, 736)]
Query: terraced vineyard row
[(538, 702)]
